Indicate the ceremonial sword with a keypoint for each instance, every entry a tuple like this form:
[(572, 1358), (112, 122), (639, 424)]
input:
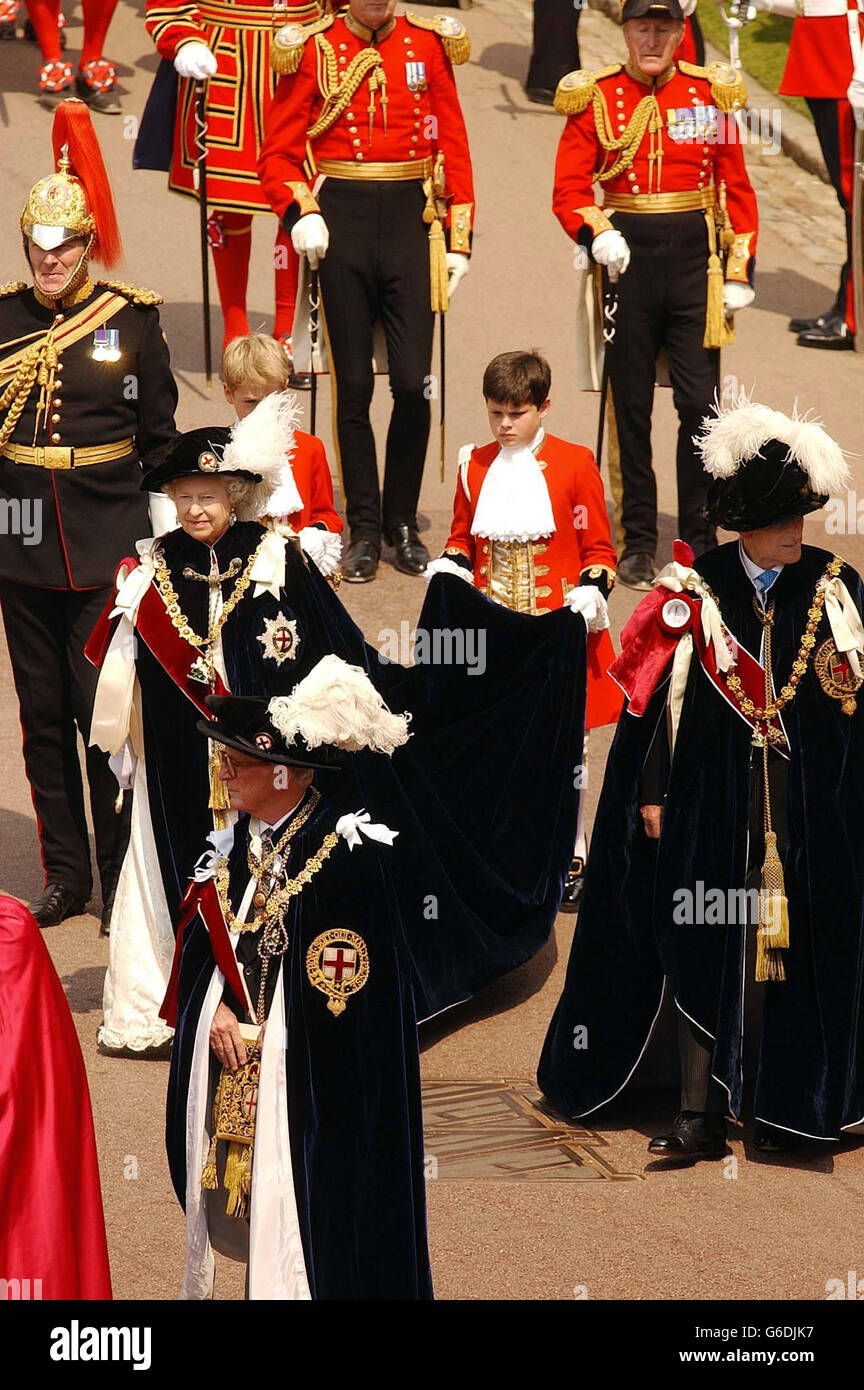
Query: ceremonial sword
[(201, 168)]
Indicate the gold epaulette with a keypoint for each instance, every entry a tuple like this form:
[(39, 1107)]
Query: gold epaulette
[(576, 89), (290, 40), (451, 32), (14, 287), (727, 87), (148, 298)]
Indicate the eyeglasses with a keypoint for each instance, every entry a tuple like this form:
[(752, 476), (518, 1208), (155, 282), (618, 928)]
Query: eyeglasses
[(232, 764)]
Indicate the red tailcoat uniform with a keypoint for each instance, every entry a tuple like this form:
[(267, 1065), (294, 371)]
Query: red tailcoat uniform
[(693, 162), (819, 67), (534, 576), (314, 484), (52, 1230), (237, 101)]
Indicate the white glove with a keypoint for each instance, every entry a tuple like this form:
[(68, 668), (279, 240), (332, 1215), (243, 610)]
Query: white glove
[(195, 60), (610, 249), (444, 565), (324, 547), (855, 95), (310, 237), (123, 765), (457, 268), (736, 296), (581, 257), (589, 601)]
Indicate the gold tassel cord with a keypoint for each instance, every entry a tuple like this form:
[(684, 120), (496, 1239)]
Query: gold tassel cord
[(772, 935), (719, 332), (219, 802)]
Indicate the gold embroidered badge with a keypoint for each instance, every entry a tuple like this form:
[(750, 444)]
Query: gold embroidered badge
[(337, 964), (280, 639), (836, 675)]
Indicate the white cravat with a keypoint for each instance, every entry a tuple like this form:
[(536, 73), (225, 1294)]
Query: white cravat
[(514, 500)]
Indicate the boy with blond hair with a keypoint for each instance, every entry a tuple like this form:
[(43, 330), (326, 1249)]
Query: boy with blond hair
[(252, 368)]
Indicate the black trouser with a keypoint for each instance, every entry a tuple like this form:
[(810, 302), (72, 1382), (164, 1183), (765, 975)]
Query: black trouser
[(377, 267), (827, 113), (46, 630), (556, 45), (661, 304)]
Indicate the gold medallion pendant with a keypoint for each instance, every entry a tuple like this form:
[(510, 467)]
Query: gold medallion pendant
[(836, 676), (337, 964)]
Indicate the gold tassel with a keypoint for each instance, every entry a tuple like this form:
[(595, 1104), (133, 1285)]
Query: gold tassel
[(220, 802), (719, 332), (238, 1179), (438, 277), (209, 1177)]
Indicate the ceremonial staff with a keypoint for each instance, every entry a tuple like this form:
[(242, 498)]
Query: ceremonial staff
[(314, 328), (610, 310), (858, 238), (201, 145), (442, 319)]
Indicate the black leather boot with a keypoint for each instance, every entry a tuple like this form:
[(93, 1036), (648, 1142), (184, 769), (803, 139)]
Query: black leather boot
[(693, 1136)]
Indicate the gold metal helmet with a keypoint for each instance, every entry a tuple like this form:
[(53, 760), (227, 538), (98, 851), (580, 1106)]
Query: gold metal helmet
[(57, 209)]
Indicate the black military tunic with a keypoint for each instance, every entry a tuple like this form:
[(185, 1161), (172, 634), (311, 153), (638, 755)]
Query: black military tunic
[(63, 529)]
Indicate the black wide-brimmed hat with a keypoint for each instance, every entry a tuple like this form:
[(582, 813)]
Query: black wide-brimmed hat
[(767, 467), (198, 453), (243, 722)]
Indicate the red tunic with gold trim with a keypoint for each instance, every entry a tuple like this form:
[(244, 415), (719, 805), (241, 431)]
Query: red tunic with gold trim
[(361, 104), (820, 60), (313, 481), (534, 576), (237, 99), (686, 144)]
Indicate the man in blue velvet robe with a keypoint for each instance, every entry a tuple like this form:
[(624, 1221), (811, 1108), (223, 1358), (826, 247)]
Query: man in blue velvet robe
[(293, 922), (712, 766)]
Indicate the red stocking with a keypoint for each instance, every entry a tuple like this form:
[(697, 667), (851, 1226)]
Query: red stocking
[(44, 16), (286, 264), (231, 243), (97, 16)]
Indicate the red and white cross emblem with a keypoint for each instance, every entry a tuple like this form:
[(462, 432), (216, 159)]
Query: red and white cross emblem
[(339, 963)]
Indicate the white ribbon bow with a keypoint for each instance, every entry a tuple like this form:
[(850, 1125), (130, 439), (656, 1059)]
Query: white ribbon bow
[(208, 864), (845, 620), (268, 571), (682, 578), (350, 826)]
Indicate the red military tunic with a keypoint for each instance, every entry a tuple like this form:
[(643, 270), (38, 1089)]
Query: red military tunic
[(693, 152), (353, 102), (820, 59), (237, 99), (312, 478), (534, 576)]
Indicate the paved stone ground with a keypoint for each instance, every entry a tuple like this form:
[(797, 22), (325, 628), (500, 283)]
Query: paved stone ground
[(752, 1229)]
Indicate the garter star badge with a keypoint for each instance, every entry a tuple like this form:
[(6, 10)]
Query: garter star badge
[(836, 676), (337, 964), (280, 639)]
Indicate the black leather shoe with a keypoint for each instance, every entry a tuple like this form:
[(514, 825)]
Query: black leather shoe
[(106, 102), (573, 887), (409, 553), (109, 892), (833, 335), (361, 561), (300, 381), (543, 96), (636, 570), (830, 318), (56, 904), (769, 1140), (692, 1137)]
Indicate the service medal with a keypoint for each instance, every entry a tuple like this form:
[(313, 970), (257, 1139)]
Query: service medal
[(106, 345), (415, 75), (337, 964), (280, 639)]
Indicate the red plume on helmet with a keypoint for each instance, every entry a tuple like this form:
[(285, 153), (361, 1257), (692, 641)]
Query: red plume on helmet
[(74, 128)]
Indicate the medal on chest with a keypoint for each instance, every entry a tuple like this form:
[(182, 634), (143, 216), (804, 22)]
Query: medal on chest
[(280, 639), (692, 124), (415, 76), (106, 345)]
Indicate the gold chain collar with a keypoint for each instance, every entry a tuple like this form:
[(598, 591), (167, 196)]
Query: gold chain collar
[(259, 867), (172, 603), (270, 916), (764, 716)]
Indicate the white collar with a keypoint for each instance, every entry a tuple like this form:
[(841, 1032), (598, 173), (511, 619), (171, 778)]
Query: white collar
[(752, 570), (513, 503)]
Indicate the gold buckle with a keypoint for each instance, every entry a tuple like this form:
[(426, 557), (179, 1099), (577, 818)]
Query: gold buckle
[(53, 456)]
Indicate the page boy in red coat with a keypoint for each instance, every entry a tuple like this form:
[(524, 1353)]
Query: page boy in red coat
[(530, 529), (252, 368)]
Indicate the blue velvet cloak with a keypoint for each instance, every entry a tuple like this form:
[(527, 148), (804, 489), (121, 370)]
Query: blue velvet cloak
[(810, 1076), (484, 794), (353, 1081)]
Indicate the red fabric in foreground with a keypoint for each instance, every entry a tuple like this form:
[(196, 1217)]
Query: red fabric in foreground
[(52, 1226)]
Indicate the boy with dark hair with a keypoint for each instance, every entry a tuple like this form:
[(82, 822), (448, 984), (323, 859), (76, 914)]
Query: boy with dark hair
[(530, 529)]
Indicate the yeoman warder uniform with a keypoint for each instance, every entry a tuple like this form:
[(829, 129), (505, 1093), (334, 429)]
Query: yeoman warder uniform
[(86, 397)]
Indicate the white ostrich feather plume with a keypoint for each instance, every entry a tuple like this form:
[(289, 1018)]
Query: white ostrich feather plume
[(731, 436), (337, 704), (260, 444)]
